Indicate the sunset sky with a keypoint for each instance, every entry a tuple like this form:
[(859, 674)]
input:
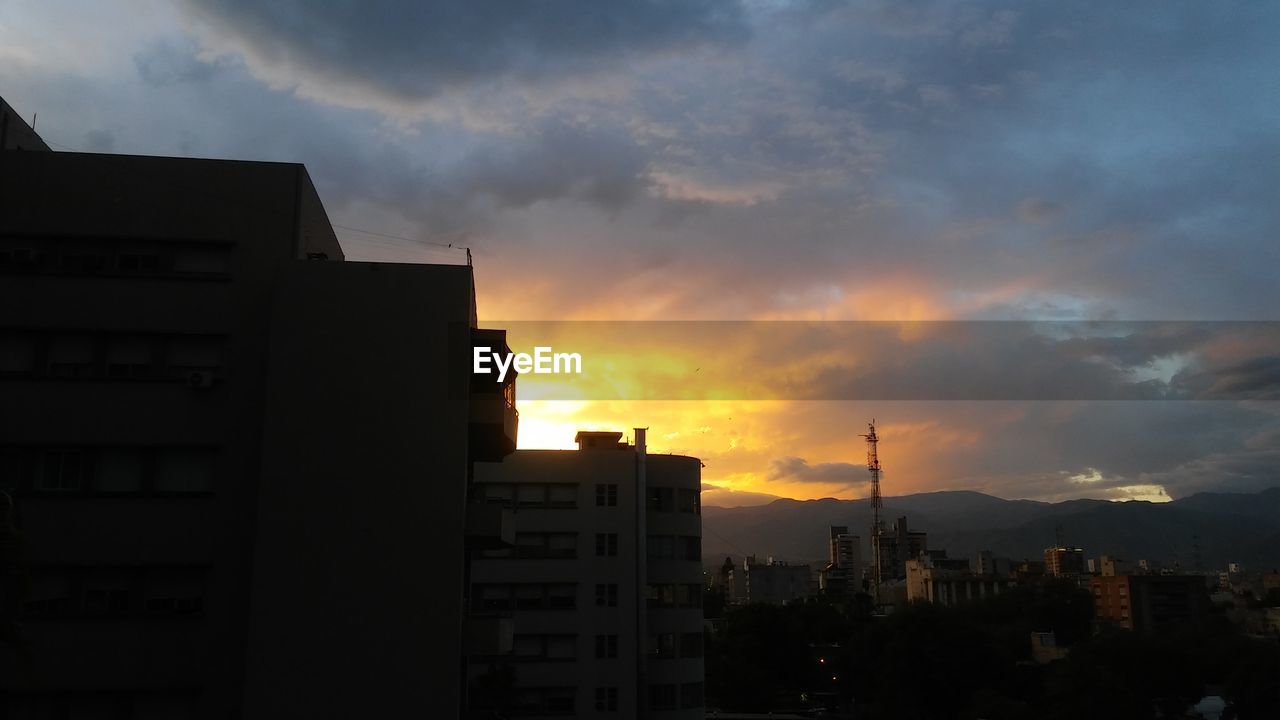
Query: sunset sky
[(818, 161)]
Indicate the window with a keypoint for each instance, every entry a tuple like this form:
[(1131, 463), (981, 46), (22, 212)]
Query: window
[(561, 647), (82, 260), (661, 547), (118, 471), (562, 495), (606, 647), (606, 699), (531, 495), (562, 596), (662, 697), (662, 645), (689, 596), (606, 544), (184, 471), (174, 592), (691, 645), (606, 595), (559, 701), (606, 495), (64, 471), (106, 593), (498, 494), (562, 545), (531, 545), (201, 259), (526, 647), (528, 597), (661, 596), (11, 464), (48, 594), (691, 695), (19, 257), (688, 501), (690, 548), (129, 356), (70, 356), (494, 597), (17, 354), (187, 354), (661, 499)]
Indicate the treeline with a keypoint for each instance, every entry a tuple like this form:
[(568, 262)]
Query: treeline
[(927, 662)]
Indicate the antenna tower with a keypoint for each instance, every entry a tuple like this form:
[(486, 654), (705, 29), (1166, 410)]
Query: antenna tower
[(877, 523)]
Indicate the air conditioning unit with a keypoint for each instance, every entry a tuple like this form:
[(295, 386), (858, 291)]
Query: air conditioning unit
[(200, 379)]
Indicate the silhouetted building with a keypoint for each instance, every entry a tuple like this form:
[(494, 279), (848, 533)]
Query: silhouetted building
[(945, 581), (604, 584), (1062, 561), (772, 582), (988, 564), (842, 576), (15, 133), (1110, 565), (898, 545), (1149, 603), (239, 463)]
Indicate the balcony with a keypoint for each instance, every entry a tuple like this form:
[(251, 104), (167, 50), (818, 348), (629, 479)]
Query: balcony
[(493, 418)]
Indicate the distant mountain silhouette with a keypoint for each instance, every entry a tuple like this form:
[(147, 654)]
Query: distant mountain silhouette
[(1217, 527)]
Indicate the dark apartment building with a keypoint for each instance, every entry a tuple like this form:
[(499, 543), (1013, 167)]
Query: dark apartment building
[(234, 466), (1149, 603), (895, 547), (603, 587)]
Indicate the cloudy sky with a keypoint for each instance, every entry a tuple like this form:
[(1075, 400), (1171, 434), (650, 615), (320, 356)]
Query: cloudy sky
[(707, 160)]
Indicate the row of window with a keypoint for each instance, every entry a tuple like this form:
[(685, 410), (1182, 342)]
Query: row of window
[(674, 547), (563, 596), (665, 499), (532, 702), (564, 647), (186, 358), (669, 696), (532, 495), (58, 593), (565, 495), (675, 645), (666, 595), (110, 256), (526, 596), (107, 470)]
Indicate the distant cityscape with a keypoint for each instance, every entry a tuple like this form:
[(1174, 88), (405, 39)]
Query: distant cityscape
[(241, 476)]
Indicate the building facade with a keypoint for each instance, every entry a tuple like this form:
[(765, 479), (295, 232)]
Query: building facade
[(603, 587), (949, 582), (226, 452), (1149, 603), (896, 546), (1064, 561), (842, 576)]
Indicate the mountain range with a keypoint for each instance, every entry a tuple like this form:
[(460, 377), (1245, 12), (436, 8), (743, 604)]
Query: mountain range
[(1206, 530)]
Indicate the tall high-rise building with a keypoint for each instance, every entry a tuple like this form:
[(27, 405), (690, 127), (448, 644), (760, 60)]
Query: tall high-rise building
[(603, 587), (897, 545), (842, 575), (237, 464)]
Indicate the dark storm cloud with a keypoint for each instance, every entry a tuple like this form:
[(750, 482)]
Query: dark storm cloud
[(797, 469), (419, 49), (165, 62)]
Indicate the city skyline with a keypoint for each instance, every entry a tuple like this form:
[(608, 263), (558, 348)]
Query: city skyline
[(763, 161)]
